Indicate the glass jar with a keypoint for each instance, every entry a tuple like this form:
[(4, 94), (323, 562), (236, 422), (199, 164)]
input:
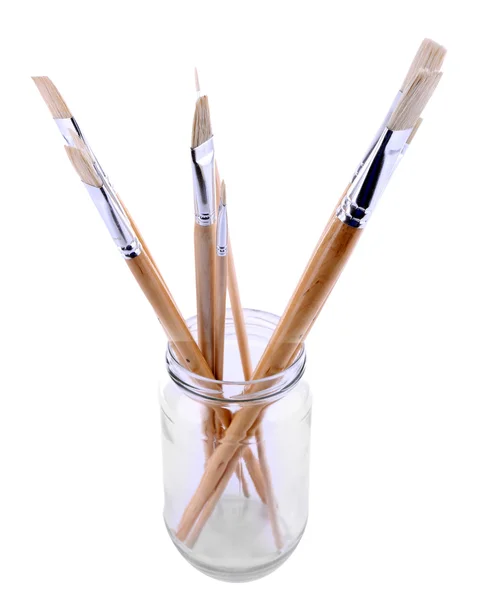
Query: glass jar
[(260, 507)]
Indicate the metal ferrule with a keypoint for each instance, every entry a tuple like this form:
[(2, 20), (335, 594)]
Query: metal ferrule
[(402, 153), (222, 231), (367, 187), (203, 163), (117, 224), (379, 132)]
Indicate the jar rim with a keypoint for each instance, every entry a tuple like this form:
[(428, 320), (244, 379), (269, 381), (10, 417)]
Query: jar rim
[(292, 368)]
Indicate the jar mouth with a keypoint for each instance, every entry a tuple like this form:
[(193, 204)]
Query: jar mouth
[(272, 384)]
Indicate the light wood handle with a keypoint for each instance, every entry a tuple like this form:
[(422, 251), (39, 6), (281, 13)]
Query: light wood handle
[(175, 326), (205, 255), (173, 323), (238, 317), (220, 314), (317, 282)]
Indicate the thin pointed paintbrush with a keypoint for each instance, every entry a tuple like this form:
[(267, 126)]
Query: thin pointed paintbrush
[(259, 468), (221, 283), (329, 258), (221, 274), (236, 306)]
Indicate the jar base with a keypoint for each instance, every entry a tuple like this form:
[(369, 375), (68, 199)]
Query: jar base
[(236, 544)]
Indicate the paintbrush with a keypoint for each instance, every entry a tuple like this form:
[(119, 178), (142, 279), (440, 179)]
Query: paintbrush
[(236, 306), (221, 284), (203, 164)]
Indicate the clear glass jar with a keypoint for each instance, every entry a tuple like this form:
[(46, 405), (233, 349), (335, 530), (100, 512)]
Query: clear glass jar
[(257, 520)]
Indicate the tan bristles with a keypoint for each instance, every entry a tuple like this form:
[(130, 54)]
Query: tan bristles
[(201, 123), (414, 131), (83, 165), (78, 142), (430, 56), (197, 81), (414, 100), (53, 98), (223, 193)]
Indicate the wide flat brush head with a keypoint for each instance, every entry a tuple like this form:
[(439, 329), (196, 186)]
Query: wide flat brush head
[(83, 165), (430, 56), (202, 131), (414, 100), (53, 99)]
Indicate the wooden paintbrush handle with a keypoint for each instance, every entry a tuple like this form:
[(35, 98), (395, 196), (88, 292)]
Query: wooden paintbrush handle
[(220, 315), (205, 254), (173, 323), (317, 282), (216, 467), (238, 317), (175, 326), (213, 500), (146, 249)]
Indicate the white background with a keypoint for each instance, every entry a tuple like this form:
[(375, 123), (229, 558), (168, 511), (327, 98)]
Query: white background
[(296, 91)]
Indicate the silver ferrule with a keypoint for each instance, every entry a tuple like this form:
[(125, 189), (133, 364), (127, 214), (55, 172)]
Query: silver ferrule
[(222, 231), (379, 132), (117, 224), (363, 193), (203, 163), (402, 153)]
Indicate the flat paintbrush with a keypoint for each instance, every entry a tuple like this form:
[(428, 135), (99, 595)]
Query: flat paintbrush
[(221, 284), (203, 164), (206, 198)]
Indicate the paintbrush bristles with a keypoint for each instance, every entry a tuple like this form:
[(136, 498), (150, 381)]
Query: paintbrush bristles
[(414, 100), (83, 165), (430, 56), (197, 81), (78, 142), (53, 99), (202, 131), (223, 193), (412, 135)]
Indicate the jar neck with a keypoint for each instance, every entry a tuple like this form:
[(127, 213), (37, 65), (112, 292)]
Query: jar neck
[(233, 389)]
